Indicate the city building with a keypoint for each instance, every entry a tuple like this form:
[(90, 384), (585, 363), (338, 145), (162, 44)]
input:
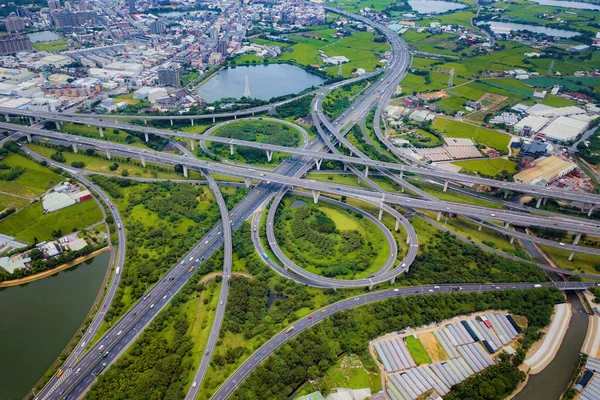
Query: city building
[(564, 129), (533, 150), (158, 27), (222, 47), (10, 44), (168, 77), (131, 6), (545, 171), (215, 58), (68, 19), (54, 5), (14, 24)]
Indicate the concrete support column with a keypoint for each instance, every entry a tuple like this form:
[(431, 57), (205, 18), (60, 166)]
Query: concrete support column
[(366, 170), (539, 202), (397, 225), (146, 137), (145, 122), (247, 182), (107, 154), (7, 117), (171, 121), (505, 195), (231, 149), (358, 180), (57, 123), (192, 144), (571, 256), (345, 167), (116, 121), (402, 189), (101, 130), (185, 171), (577, 237), (408, 239), (29, 138), (544, 201), (445, 186), (393, 281), (591, 210), (371, 287), (269, 155), (214, 120), (74, 147), (439, 216), (380, 213), (318, 163), (31, 121), (512, 239), (192, 121), (401, 174), (143, 161), (234, 116), (507, 225), (315, 196), (480, 225)]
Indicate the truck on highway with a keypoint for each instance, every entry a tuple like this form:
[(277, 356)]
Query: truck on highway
[(537, 285), (118, 270), (97, 372), (265, 256), (191, 268), (288, 330), (60, 372)]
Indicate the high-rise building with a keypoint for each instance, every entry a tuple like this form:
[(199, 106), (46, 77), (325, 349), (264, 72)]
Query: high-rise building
[(222, 47), (158, 27), (214, 33), (54, 5), (67, 19), (168, 77), (131, 5), (10, 44), (14, 24)]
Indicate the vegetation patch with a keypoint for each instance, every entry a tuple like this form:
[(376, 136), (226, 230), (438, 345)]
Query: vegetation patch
[(59, 45), (417, 351), (25, 177), (483, 136), (490, 167)]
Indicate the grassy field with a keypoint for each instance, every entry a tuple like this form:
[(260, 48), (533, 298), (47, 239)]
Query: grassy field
[(491, 167), (34, 182), (581, 262), (113, 135), (417, 351), (417, 83), (127, 98), (8, 201), (102, 164), (450, 195), (31, 222), (51, 46), (446, 43), (487, 137)]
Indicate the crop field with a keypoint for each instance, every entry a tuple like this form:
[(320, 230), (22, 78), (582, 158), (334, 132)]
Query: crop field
[(461, 17), (417, 351), (491, 167), (417, 83), (475, 91), (34, 182), (7, 201), (433, 347), (487, 137), (356, 5), (570, 83), (445, 43), (51, 46), (31, 222)]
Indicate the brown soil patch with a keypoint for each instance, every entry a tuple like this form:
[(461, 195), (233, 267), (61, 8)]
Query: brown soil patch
[(441, 94), (433, 347)]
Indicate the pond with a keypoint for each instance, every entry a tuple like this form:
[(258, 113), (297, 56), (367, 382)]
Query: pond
[(264, 82), (568, 4), (44, 36), (434, 6), (40, 318), (505, 27)]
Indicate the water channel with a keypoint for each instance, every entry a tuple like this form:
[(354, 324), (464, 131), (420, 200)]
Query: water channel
[(434, 6), (506, 27), (39, 319), (554, 379), (264, 82), (568, 4)]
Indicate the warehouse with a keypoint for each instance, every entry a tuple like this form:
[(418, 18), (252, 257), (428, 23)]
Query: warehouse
[(545, 171), (564, 129), (531, 125)]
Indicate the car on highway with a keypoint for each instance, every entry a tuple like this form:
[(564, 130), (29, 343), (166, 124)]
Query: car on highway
[(310, 317), (324, 310), (152, 305)]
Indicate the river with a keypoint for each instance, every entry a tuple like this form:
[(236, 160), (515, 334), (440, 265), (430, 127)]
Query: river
[(554, 379), (506, 27), (264, 82), (568, 4), (39, 319), (434, 6)]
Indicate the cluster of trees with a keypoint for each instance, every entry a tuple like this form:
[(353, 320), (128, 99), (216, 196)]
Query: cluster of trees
[(590, 152), (78, 164), (58, 157), (313, 352), (356, 134), (548, 233), (445, 259), (297, 108), (8, 173), (178, 201)]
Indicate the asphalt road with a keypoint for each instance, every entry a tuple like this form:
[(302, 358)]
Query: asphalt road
[(301, 325)]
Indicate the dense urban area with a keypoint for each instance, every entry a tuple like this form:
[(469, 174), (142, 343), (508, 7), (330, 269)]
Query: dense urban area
[(294, 199)]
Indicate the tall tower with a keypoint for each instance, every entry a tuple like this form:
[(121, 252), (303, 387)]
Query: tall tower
[(247, 89)]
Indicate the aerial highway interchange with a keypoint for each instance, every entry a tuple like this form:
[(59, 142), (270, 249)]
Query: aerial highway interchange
[(82, 368)]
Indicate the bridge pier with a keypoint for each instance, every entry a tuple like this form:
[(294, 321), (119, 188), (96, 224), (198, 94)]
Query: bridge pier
[(401, 174), (29, 138), (192, 121), (171, 119), (143, 161), (591, 210), (185, 171), (371, 287), (31, 121), (231, 149), (234, 116), (146, 136), (7, 117), (439, 216), (101, 130), (269, 155), (507, 225), (512, 239), (57, 123), (407, 239), (345, 167), (544, 201), (367, 171), (480, 225), (107, 154), (358, 176), (380, 213), (397, 225), (247, 182), (145, 122), (116, 121), (445, 186), (539, 202), (571, 256), (505, 194), (214, 120), (393, 281), (74, 147), (192, 144), (318, 164), (315, 196), (577, 237)]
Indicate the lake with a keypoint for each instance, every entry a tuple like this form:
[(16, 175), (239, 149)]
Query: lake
[(44, 36), (568, 4), (40, 318), (433, 6), (505, 27), (264, 81)]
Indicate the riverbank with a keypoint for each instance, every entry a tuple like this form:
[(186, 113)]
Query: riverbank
[(32, 278), (539, 358), (591, 344)]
